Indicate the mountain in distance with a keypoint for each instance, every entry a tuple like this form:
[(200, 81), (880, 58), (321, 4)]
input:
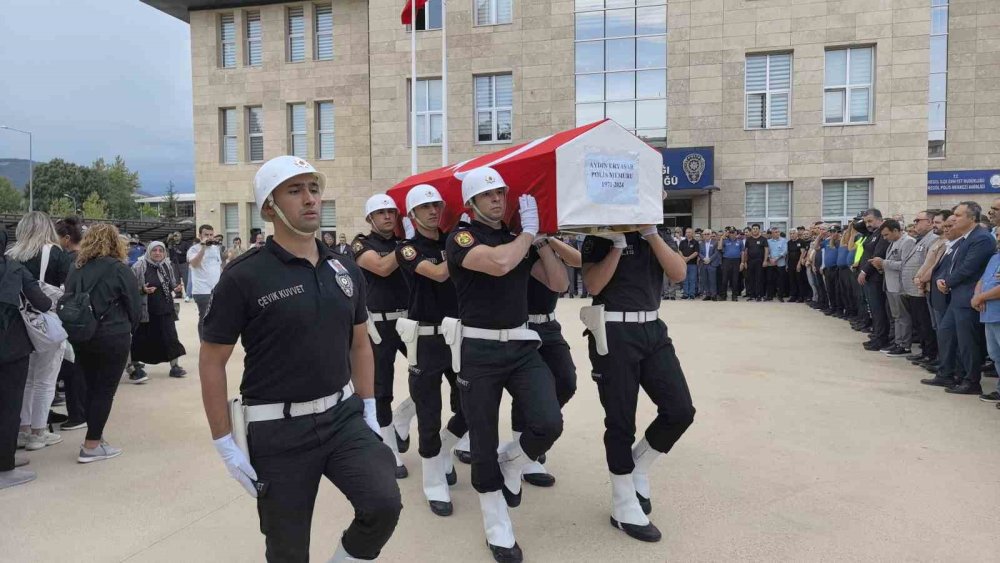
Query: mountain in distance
[(15, 170)]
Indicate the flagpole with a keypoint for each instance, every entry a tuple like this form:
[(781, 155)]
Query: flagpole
[(413, 87), (444, 82)]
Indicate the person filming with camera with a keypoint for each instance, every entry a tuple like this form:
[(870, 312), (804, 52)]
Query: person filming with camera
[(205, 266)]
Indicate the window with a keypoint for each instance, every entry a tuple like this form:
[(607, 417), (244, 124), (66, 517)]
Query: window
[(324, 129), (428, 17), (493, 12), (324, 32), (768, 89), (847, 97), (430, 117), (844, 199), (769, 204), (255, 134), (938, 100), (227, 126), (255, 55), (494, 101), (231, 222), (296, 35), (297, 130), (255, 222), (227, 41), (621, 65), (328, 216)]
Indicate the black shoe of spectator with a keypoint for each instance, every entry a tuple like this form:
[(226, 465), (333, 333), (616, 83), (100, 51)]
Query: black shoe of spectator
[(735, 298), (939, 381), (930, 368), (914, 358), (887, 347), (993, 397), (56, 418), (898, 352), (965, 388), (874, 346)]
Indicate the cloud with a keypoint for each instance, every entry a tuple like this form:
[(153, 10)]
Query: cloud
[(97, 78)]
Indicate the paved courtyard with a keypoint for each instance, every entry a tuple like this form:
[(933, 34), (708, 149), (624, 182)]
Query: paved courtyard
[(804, 448)]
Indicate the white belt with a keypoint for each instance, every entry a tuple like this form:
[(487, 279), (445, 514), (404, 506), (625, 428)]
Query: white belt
[(520, 333), (541, 319), (631, 316), (276, 411), (379, 317), (428, 330)]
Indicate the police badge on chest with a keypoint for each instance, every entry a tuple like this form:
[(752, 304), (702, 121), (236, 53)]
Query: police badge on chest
[(344, 281)]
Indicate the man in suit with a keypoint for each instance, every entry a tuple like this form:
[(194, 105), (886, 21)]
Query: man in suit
[(923, 281), (689, 252), (871, 280), (900, 248), (947, 343), (972, 250), (710, 258)]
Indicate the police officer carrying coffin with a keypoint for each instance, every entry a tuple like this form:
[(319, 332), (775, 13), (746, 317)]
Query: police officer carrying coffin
[(432, 297), (387, 300), (307, 407), (629, 348), (495, 350)]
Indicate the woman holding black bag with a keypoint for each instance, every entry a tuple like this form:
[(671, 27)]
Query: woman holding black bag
[(156, 340)]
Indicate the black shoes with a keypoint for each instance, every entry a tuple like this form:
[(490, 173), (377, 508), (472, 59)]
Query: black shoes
[(138, 376), (73, 425), (56, 418), (440, 508), (647, 533), (993, 397), (707, 298), (897, 352), (539, 479), (401, 472), (645, 504), (513, 501), (735, 298), (916, 358), (177, 372), (464, 456), (452, 477), (939, 381), (506, 554), (965, 388), (874, 346), (402, 445)]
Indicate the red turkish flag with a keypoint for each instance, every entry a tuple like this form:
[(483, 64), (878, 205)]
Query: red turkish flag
[(408, 11)]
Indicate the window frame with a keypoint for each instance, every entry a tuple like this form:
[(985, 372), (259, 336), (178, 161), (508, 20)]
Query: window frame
[(293, 134), (424, 116), (230, 231), (768, 91), (317, 33), (225, 138), (249, 40), (848, 87), (494, 14), (494, 110), (410, 27), (250, 135), (320, 132), (939, 137), (290, 36), (767, 219), (845, 217), (223, 42)]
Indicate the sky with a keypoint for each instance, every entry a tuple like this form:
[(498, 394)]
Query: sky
[(98, 78)]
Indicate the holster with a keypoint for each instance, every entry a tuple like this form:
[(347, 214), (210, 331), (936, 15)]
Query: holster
[(593, 319), (238, 423), (373, 330), (408, 330), (452, 331)]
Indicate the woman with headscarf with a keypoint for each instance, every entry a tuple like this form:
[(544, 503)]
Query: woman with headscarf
[(156, 339), (15, 281)]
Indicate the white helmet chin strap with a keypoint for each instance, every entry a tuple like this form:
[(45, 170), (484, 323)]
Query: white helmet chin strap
[(278, 212), (413, 217), (481, 216)]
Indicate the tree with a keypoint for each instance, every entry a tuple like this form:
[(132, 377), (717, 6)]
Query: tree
[(170, 210), (57, 178), (11, 200), (94, 207), (121, 185), (147, 211), (61, 207)]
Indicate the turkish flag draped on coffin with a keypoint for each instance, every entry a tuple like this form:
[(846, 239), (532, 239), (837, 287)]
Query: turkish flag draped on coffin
[(408, 11), (595, 175)]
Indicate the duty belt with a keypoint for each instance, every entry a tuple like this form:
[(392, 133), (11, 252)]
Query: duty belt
[(631, 316), (277, 411), (503, 335), (541, 319), (429, 330), (391, 316)]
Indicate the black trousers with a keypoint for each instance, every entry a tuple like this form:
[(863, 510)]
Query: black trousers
[(876, 304), (805, 290), (831, 281), (102, 360), (292, 455), (433, 362), (13, 376), (777, 282), (489, 367), (846, 291), (922, 327), (555, 353), (202, 301), (794, 288), (971, 343), (730, 277), (820, 288), (385, 369), (755, 277), (639, 355), (76, 391)]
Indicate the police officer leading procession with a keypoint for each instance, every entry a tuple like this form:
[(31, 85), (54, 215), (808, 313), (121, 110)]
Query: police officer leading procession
[(474, 307)]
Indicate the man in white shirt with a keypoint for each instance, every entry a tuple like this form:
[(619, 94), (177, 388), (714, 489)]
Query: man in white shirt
[(205, 265)]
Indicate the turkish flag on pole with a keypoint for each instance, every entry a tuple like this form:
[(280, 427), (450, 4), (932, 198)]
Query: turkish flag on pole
[(408, 11)]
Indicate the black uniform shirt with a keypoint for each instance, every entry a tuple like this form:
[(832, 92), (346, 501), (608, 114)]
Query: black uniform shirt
[(638, 280), (388, 293), (295, 320), (755, 247), (687, 248), (486, 301), (541, 299), (795, 249), (430, 301)]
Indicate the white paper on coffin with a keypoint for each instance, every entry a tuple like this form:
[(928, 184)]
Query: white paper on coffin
[(607, 176)]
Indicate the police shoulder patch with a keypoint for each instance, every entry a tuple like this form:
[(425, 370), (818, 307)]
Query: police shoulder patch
[(357, 246), (464, 239), (408, 252)]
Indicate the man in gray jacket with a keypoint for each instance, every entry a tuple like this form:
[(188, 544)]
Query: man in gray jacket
[(901, 246), (914, 298)]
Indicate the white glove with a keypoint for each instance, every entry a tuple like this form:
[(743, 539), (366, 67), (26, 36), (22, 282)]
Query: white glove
[(465, 218), (648, 231), (408, 230), (529, 214), (237, 463), (617, 238), (370, 419)]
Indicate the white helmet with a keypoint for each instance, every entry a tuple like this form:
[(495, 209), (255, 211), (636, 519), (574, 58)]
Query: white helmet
[(421, 194), (479, 180), (378, 202), (275, 171)]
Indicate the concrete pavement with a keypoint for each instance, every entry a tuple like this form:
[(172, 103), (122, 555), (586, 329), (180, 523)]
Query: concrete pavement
[(804, 448)]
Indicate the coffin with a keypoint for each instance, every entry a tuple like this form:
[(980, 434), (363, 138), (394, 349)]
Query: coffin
[(591, 178)]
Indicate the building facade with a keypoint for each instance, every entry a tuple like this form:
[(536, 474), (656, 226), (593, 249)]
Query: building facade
[(808, 109)]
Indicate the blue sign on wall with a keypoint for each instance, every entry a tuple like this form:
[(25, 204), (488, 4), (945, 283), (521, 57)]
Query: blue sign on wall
[(688, 168), (963, 182)]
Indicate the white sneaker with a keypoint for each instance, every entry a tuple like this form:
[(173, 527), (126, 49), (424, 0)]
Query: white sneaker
[(100, 453), (187, 299), (22, 439), (39, 441)]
